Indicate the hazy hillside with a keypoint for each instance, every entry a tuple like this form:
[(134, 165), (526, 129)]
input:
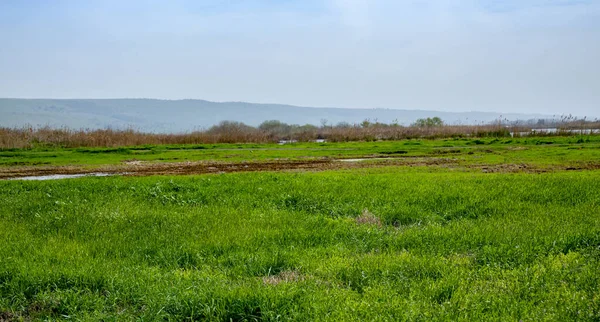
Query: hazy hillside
[(188, 115)]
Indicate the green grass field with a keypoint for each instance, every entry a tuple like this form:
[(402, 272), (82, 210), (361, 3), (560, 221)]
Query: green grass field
[(391, 243), (550, 150)]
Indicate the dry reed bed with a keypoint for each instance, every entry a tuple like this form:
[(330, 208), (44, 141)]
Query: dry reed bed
[(26, 138)]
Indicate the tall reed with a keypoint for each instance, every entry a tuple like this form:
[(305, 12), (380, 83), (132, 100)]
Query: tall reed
[(236, 132)]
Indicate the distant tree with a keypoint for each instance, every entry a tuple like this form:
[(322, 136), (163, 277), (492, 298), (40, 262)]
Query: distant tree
[(229, 127), (343, 125), (276, 128), (324, 123), (307, 127), (271, 125), (306, 132), (429, 122)]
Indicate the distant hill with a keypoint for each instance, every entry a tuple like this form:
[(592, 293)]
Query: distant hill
[(153, 115)]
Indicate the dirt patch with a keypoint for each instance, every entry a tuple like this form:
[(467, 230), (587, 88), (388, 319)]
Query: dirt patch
[(445, 151), (7, 316), (510, 168), (514, 168), (133, 162), (367, 218), (585, 166), (283, 277), (206, 167), (224, 167)]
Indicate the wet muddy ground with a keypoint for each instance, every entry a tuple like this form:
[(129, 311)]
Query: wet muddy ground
[(139, 168)]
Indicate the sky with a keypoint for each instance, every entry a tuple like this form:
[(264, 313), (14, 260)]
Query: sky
[(534, 56)]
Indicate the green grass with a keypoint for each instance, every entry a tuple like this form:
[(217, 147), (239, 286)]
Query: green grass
[(542, 150), (452, 245)]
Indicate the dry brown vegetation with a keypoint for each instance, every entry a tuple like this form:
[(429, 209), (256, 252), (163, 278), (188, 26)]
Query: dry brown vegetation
[(368, 218), (269, 131), (283, 277)]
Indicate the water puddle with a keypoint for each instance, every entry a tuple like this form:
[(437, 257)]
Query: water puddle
[(282, 142), (556, 130), (63, 176)]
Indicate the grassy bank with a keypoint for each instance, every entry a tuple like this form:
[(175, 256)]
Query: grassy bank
[(393, 243)]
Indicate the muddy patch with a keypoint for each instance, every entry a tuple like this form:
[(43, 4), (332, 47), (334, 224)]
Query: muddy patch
[(511, 168), (514, 168), (207, 167), (204, 167)]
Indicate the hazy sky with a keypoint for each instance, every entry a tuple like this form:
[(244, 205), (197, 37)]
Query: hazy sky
[(451, 55)]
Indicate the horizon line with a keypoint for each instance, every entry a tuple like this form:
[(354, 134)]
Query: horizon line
[(280, 104)]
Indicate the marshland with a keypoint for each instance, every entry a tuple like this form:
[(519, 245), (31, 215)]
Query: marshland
[(336, 160), (455, 228)]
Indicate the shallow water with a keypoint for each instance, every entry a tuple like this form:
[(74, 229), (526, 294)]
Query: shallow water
[(64, 176), (554, 130), (282, 142)]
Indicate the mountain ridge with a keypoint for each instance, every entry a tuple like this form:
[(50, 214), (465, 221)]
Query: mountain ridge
[(184, 115)]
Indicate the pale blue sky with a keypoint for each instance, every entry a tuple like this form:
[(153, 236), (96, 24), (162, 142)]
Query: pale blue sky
[(452, 55)]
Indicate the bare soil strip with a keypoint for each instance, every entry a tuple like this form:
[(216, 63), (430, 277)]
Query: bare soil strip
[(203, 167), (139, 168)]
